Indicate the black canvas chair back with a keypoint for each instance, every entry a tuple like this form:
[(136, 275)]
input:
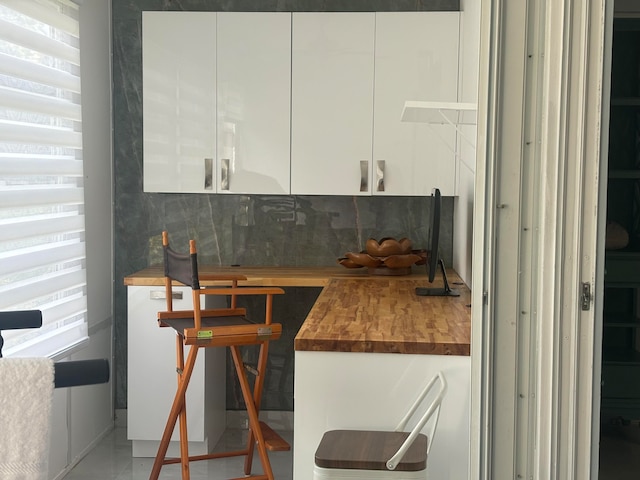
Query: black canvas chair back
[(182, 267)]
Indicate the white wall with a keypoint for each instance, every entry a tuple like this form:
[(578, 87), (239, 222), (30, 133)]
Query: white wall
[(467, 93), (83, 415)]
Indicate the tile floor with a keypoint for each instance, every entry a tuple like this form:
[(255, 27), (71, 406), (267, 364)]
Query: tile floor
[(111, 460)]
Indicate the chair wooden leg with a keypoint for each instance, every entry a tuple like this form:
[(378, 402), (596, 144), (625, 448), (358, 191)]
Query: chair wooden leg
[(176, 408), (248, 459), (254, 423), (257, 399), (184, 437)]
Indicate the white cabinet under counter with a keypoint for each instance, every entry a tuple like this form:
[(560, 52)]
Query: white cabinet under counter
[(152, 378)]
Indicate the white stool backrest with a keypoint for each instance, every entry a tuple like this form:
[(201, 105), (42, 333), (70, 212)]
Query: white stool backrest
[(434, 408)]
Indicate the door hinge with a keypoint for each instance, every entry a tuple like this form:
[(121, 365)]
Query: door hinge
[(585, 296)]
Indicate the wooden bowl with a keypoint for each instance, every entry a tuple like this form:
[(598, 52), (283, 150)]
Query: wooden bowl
[(423, 254), (364, 259), (348, 263), (401, 261), (388, 246)]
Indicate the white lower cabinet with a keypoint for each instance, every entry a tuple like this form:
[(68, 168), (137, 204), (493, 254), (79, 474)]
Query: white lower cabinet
[(373, 391), (152, 379)]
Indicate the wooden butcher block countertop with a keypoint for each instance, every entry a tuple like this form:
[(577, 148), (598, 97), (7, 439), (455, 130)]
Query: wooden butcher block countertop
[(357, 312), (384, 315)]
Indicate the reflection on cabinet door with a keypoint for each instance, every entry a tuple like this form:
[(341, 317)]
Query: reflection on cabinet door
[(416, 58), (254, 92), (332, 103), (179, 102)]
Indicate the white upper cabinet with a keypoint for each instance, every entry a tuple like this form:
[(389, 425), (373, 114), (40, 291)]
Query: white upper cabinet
[(179, 101), (332, 103), (254, 92), (351, 75), (216, 93), (306, 103), (416, 58)]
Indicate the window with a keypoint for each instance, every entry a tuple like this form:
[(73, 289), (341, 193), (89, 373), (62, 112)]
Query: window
[(42, 250)]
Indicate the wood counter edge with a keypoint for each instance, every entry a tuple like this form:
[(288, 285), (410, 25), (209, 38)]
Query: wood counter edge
[(417, 348)]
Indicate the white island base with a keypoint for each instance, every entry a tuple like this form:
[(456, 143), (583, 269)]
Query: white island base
[(372, 391)]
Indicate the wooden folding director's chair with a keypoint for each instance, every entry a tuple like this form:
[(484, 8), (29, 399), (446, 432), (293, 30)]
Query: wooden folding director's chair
[(220, 327)]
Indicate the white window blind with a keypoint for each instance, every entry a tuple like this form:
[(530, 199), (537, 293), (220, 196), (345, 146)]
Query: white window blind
[(42, 250)]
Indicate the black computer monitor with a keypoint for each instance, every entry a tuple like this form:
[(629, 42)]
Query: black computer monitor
[(433, 259)]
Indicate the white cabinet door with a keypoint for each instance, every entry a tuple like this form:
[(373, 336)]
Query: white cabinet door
[(332, 103), (179, 102), (254, 92), (351, 75), (152, 382), (416, 58)]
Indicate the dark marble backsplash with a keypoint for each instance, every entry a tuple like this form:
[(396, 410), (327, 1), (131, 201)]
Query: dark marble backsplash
[(274, 230), (240, 229)]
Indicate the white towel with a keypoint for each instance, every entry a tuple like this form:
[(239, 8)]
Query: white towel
[(26, 394)]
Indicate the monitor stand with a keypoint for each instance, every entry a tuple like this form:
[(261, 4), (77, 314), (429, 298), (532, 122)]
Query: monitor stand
[(447, 291)]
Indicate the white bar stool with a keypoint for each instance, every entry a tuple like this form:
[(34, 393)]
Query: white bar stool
[(372, 455)]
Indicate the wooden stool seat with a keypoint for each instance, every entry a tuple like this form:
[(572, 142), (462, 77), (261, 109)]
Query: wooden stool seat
[(382, 455), (369, 450)]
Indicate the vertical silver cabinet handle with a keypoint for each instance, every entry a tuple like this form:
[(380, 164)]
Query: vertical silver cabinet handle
[(380, 176), (162, 295), (224, 174), (364, 175), (208, 173)]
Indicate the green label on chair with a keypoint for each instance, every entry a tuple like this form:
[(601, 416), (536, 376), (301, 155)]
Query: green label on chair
[(264, 333), (205, 334)]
